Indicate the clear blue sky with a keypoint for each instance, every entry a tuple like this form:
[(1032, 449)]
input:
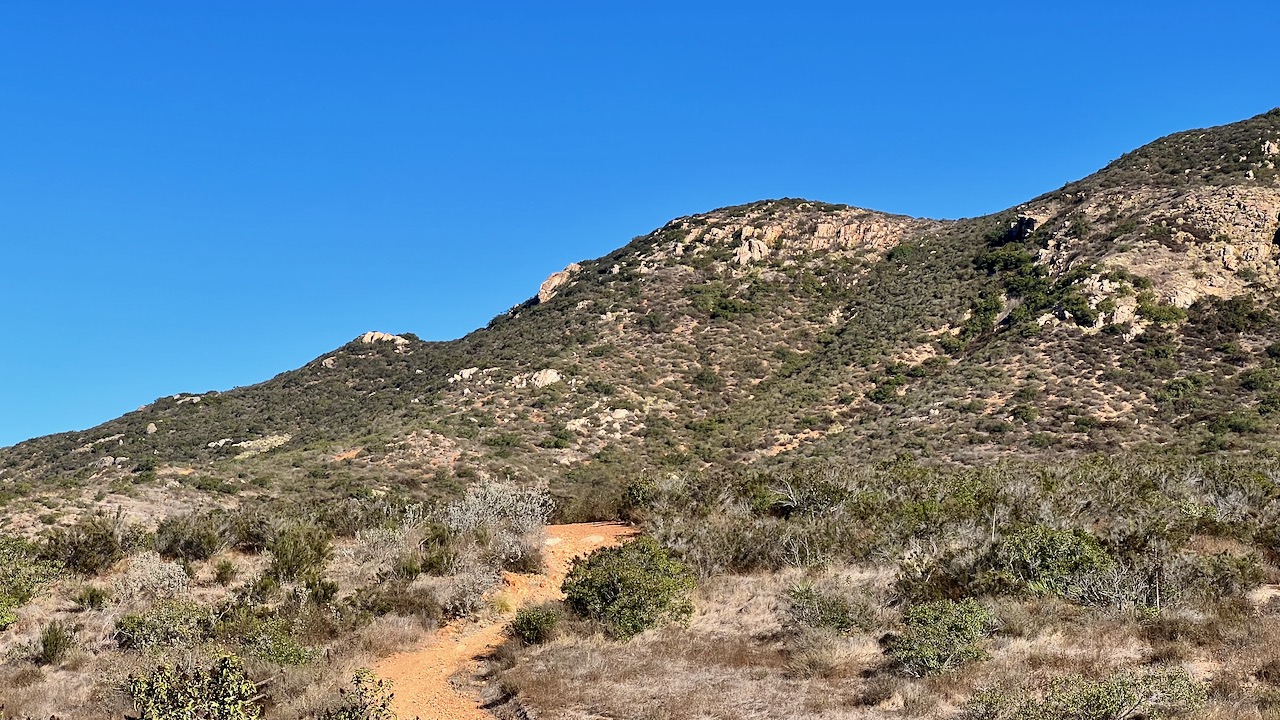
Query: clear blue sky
[(196, 196)]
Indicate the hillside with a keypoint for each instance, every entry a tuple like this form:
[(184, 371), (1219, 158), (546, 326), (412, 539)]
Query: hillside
[(1132, 309)]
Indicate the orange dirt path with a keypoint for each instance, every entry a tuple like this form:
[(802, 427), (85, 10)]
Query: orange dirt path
[(420, 677)]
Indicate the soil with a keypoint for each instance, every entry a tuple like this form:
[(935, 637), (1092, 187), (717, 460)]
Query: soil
[(421, 677)]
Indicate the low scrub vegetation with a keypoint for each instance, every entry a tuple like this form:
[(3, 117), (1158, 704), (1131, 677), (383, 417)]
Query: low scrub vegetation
[(1107, 588), (630, 588), (228, 615)]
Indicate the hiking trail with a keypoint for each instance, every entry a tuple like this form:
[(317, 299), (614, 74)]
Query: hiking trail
[(420, 677)]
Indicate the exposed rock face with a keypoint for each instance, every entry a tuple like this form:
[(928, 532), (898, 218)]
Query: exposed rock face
[(151, 428), (750, 251), (464, 374), (785, 231), (539, 379), (543, 378), (549, 286), (372, 337), (1216, 240)]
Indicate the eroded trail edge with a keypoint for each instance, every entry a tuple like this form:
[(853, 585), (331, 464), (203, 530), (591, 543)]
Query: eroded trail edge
[(421, 676)]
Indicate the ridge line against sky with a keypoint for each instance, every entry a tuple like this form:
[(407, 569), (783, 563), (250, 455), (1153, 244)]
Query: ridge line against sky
[(199, 198)]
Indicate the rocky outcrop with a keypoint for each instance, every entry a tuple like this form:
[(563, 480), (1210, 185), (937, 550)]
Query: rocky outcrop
[(539, 379), (548, 289), (372, 337), (786, 231), (750, 251)]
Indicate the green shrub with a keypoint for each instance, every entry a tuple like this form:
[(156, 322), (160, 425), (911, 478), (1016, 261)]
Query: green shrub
[(399, 598), (629, 588), (1222, 575), (1052, 562), (225, 571), (188, 537), (1158, 312), (249, 531), (536, 624), (91, 597), (272, 641), (221, 692), (167, 623), (298, 550), (1151, 694), (368, 698), (832, 608), (56, 640), (22, 575), (940, 636), (94, 544)]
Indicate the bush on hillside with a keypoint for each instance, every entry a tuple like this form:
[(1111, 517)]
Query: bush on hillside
[(188, 537), (536, 624), (223, 691), (298, 550), (1049, 561), (368, 698), (169, 623), (502, 523), (94, 544), (22, 575), (836, 608), (941, 636), (629, 588), (1151, 694), (56, 641)]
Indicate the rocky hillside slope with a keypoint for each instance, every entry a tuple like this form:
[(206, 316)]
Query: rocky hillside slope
[(1132, 309)]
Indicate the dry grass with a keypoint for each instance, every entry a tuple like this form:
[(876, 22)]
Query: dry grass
[(737, 659)]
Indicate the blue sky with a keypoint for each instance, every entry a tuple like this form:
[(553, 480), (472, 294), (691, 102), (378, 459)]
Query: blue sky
[(196, 196)]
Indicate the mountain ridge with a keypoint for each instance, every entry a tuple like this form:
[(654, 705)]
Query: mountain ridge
[(1101, 316)]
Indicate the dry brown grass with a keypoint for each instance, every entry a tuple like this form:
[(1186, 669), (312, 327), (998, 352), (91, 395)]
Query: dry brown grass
[(736, 658)]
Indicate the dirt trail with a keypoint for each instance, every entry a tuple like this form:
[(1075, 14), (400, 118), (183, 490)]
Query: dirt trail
[(421, 676)]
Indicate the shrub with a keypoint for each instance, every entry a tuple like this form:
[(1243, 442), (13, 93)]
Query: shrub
[(1152, 694), (1049, 561), (167, 623), (150, 577), (470, 585), (1222, 575), (941, 636), (56, 640), (536, 624), (503, 521), (22, 575), (225, 571), (629, 588), (832, 608), (298, 550), (399, 598), (272, 641), (221, 692), (250, 531), (91, 597), (368, 698), (94, 544), (188, 537)]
